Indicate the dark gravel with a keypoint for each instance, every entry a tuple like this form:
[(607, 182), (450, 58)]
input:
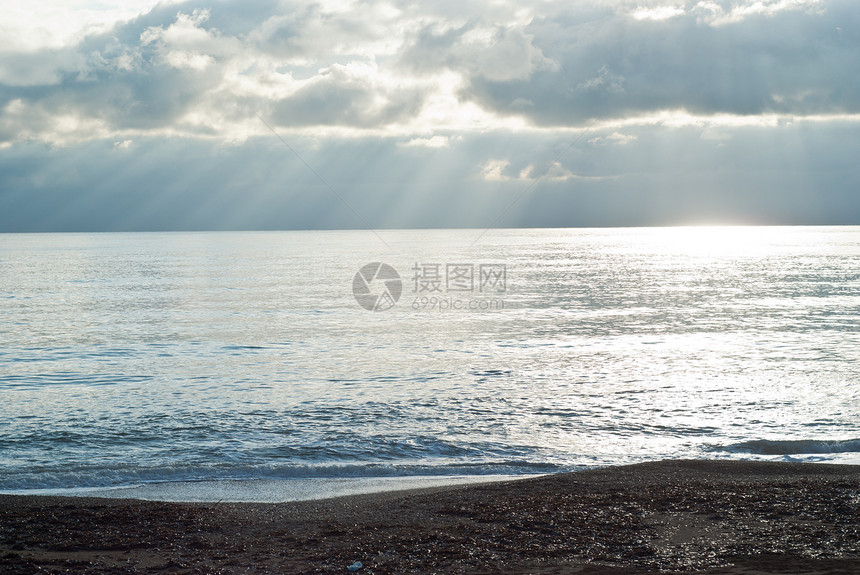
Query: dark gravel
[(670, 516)]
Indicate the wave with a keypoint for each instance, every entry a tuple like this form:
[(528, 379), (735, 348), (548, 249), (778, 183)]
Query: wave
[(120, 476), (793, 447)]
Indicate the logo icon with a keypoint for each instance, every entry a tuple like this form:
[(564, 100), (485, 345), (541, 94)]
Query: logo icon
[(377, 287)]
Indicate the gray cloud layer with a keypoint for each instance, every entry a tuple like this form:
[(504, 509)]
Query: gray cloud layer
[(438, 115), (576, 62), (660, 178)]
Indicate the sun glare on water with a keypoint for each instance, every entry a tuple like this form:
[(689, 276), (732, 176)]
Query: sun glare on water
[(723, 241)]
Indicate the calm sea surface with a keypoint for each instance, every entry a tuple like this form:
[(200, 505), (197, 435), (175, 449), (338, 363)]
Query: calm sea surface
[(131, 359)]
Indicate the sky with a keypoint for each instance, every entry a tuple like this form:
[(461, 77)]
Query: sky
[(201, 115)]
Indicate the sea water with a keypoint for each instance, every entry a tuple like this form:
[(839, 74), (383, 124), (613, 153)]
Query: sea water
[(284, 365)]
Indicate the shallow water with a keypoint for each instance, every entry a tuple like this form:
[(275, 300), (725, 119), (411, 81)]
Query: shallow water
[(135, 358)]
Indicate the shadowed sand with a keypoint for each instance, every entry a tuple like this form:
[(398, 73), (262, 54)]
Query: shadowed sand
[(670, 516)]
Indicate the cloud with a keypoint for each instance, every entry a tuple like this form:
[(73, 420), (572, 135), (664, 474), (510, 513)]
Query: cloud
[(208, 70), (804, 173), (494, 170), (716, 15), (353, 95), (603, 81), (42, 68), (658, 13), (54, 24), (432, 142), (554, 172), (491, 52), (614, 138), (621, 108), (783, 58)]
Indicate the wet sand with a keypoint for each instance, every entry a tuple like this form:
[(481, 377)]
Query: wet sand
[(669, 517)]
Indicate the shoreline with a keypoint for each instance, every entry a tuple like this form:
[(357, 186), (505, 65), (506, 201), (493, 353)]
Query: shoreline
[(268, 490), (673, 516)]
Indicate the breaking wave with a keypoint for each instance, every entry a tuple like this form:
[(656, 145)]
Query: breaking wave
[(794, 447)]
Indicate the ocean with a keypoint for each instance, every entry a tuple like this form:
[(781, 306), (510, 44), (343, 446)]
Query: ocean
[(279, 365)]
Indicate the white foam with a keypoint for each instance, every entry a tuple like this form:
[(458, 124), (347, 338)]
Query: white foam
[(276, 490), (796, 447)]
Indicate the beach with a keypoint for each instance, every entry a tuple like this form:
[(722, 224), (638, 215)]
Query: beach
[(684, 516)]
